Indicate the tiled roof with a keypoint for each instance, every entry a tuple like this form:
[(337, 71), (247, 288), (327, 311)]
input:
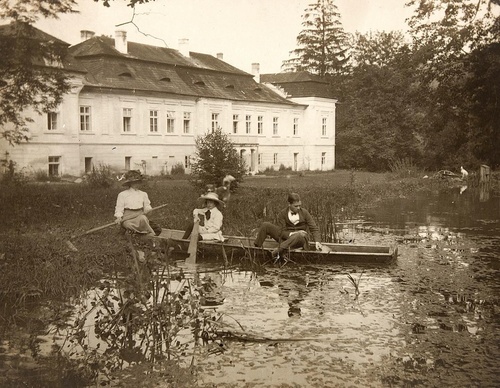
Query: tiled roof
[(299, 84), (158, 69)]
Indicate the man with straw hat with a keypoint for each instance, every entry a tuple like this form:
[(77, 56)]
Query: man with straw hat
[(132, 205), (210, 218)]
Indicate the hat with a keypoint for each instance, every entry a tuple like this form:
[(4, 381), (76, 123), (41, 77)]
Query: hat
[(294, 198), (132, 176), (211, 196)]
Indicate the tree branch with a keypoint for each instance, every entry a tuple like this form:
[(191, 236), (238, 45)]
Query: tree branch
[(131, 21)]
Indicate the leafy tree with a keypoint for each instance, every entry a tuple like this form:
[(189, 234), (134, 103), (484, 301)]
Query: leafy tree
[(322, 43), (450, 38), (215, 158), (377, 118), (30, 65), (31, 75), (482, 95)]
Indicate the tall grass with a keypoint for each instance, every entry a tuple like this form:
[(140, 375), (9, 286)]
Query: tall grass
[(404, 168), (100, 176)]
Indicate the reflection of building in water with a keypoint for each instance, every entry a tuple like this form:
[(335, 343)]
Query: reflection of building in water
[(436, 233)]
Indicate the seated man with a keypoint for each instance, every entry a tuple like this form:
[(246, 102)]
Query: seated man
[(294, 223), (210, 218)]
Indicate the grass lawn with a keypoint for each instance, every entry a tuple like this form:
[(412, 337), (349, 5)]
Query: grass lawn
[(313, 179)]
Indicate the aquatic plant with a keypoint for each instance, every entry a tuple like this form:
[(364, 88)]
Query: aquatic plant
[(151, 315), (355, 283)]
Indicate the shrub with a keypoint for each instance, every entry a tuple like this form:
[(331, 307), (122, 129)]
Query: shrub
[(41, 176), (11, 175), (178, 169), (100, 176), (283, 168), (404, 168), (215, 158)]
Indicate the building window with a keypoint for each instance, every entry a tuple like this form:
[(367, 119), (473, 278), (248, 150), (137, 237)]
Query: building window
[(323, 159), (153, 121), (235, 123), (259, 159), (54, 162), (323, 126), (52, 121), (128, 159), (295, 126), (85, 119), (260, 125), (187, 122), (248, 123), (127, 120), (170, 121), (275, 158), (215, 122), (187, 162), (88, 165), (275, 125)]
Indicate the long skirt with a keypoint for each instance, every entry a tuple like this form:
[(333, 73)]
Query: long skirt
[(136, 221)]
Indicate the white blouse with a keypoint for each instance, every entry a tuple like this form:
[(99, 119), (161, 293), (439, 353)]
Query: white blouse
[(132, 199)]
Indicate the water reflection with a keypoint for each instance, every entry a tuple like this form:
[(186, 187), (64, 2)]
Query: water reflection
[(430, 320)]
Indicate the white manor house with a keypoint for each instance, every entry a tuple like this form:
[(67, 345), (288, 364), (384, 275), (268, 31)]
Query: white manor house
[(136, 106)]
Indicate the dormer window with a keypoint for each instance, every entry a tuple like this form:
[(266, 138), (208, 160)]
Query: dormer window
[(199, 83), (125, 74), (258, 89), (230, 86), (165, 79)]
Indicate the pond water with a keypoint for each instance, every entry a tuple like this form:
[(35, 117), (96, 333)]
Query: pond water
[(431, 319)]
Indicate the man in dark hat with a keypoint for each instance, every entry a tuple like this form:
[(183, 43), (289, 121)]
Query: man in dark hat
[(294, 225), (132, 205)]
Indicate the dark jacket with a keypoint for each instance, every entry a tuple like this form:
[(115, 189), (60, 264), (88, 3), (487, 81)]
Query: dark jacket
[(306, 222)]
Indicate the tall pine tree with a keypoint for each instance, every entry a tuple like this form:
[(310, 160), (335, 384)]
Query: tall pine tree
[(322, 44)]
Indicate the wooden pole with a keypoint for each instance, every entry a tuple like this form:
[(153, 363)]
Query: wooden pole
[(193, 243)]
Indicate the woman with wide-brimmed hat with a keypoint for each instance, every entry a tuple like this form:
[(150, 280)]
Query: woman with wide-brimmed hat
[(210, 218), (132, 205)]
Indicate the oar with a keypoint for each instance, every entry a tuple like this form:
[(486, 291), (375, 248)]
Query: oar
[(193, 243), (74, 249)]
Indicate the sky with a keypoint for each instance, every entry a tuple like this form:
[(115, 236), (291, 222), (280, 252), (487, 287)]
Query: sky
[(245, 31)]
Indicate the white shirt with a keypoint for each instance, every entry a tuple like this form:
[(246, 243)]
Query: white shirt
[(132, 199), (294, 218), (212, 228)]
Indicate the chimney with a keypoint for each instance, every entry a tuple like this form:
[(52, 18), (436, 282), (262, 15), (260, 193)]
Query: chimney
[(86, 34), (220, 56), (121, 41), (256, 72), (184, 46)]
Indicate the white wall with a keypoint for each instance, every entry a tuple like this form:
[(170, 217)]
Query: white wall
[(107, 143)]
